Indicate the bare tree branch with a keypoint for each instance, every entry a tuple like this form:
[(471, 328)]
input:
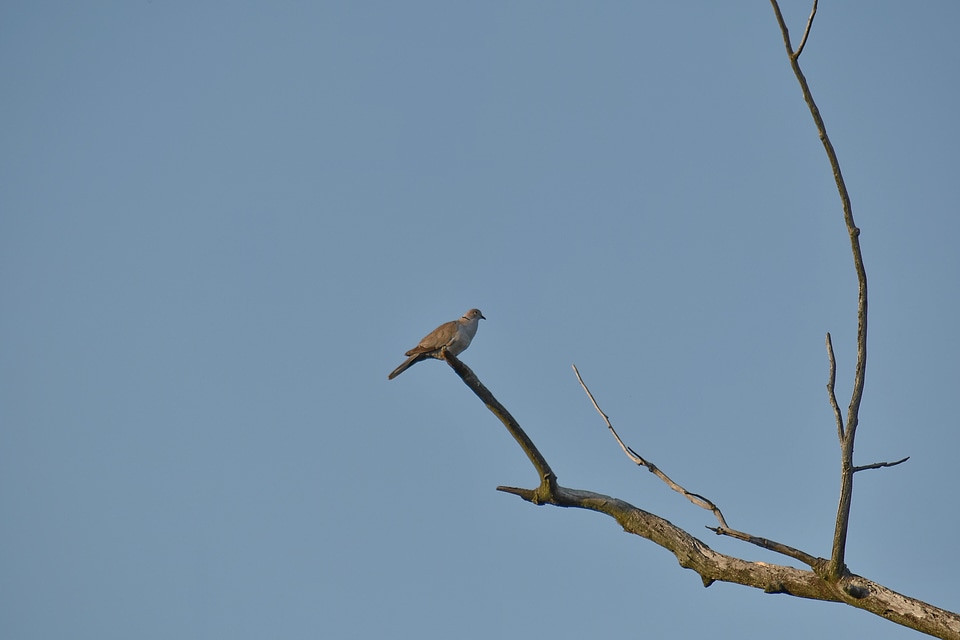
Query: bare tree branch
[(878, 465), (838, 550), (831, 388), (695, 498), (712, 566), (806, 32), (548, 480), (817, 564)]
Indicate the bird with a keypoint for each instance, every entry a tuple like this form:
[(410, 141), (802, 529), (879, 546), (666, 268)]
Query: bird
[(454, 336)]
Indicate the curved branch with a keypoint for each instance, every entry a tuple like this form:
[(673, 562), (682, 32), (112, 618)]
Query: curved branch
[(699, 500), (806, 32), (548, 480), (695, 498)]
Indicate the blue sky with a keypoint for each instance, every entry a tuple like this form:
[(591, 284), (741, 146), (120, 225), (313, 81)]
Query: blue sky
[(222, 224)]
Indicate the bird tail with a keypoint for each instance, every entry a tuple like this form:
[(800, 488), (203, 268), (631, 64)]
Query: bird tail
[(409, 362)]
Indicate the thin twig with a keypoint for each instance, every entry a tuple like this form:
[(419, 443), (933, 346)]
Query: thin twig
[(695, 498), (704, 503), (771, 545), (806, 32), (831, 388), (879, 465)]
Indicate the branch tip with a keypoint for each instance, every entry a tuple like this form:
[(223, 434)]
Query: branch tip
[(879, 465), (806, 32)]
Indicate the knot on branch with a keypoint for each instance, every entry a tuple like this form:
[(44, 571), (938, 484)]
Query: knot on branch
[(546, 493), (856, 591)]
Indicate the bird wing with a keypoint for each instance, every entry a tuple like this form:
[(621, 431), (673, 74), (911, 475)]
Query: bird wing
[(436, 339)]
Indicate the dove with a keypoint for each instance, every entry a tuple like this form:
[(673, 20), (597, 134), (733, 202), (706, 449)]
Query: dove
[(454, 336)]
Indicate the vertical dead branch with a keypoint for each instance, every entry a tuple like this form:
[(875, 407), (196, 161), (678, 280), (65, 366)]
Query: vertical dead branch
[(836, 567)]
